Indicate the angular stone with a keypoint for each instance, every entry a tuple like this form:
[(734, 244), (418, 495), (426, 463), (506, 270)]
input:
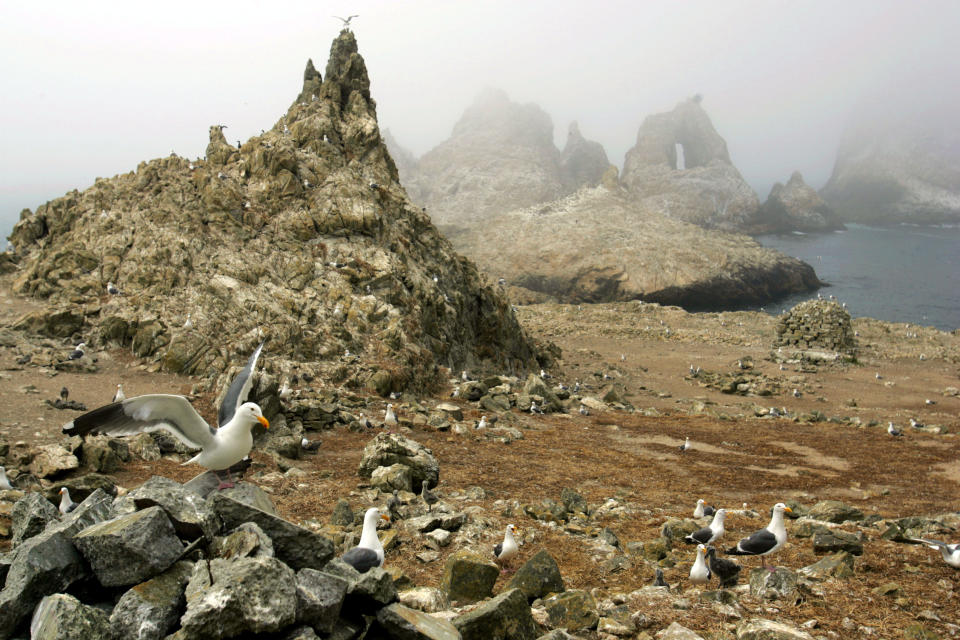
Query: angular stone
[(538, 577), (246, 541), (145, 447), (676, 529), (319, 599), (374, 588), (247, 595), (677, 631), (98, 455), (131, 548), (775, 585), (52, 460), (151, 610), (342, 515), (242, 492), (31, 515), (835, 511), (572, 610), (43, 565), (557, 634), (191, 516), (919, 632), (82, 486), (397, 477), (833, 541), (439, 538), (837, 565), (427, 599), (506, 617), (302, 633), (299, 548), (387, 449), (63, 617), (468, 577), (398, 621), (573, 501), (760, 629), (424, 523), (96, 508)]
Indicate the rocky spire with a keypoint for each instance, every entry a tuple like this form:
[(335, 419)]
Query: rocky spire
[(583, 162), (218, 149), (311, 83), (346, 71)]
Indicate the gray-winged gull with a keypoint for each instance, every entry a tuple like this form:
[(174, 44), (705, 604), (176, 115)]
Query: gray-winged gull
[(77, 352), (507, 550), (119, 396), (66, 504), (686, 445), (893, 430), (221, 448), (709, 534), (4, 481), (765, 541), (390, 418), (703, 509), (369, 552), (950, 552), (700, 572)]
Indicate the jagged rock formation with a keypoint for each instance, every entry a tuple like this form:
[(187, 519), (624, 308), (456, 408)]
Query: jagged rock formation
[(795, 206), (500, 156), (405, 161), (889, 172), (681, 168), (600, 245), (302, 236)]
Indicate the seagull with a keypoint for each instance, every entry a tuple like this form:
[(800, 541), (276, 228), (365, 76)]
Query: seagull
[(584, 411), (112, 289), (390, 418), (693, 371), (915, 424), (950, 552), (66, 504), (77, 352), (285, 391), (64, 393), (393, 505), (892, 430), (310, 445), (543, 375), (686, 445), (365, 422), (429, 498), (796, 393), (703, 509), (369, 553), (464, 376), (929, 401), (4, 481), (727, 571), (658, 581), (346, 21), (188, 324), (878, 376), (535, 409), (765, 541), (505, 551), (220, 448), (119, 395), (483, 423), (709, 534), (700, 572)]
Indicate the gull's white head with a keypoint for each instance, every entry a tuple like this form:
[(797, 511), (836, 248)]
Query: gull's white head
[(250, 413)]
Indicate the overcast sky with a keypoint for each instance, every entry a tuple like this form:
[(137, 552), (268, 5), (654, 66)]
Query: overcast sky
[(92, 88)]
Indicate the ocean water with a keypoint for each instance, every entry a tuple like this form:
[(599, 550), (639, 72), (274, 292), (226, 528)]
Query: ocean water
[(899, 274)]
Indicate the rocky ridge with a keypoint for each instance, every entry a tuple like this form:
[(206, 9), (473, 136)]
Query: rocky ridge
[(703, 188), (601, 244), (796, 206), (301, 236)]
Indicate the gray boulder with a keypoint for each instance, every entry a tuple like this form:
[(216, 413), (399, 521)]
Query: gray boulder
[(342, 515), (833, 541), (372, 590), (837, 565), (468, 577), (773, 585), (395, 477), (299, 548), (246, 595), (31, 514), (52, 460), (387, 449), (538, 577), (151, 610), (835, 511), (63, 617), (403, 623), (319, 598), (760, 629), (131, 548), (677, 631), (426, 599), (506, 617), (95, 508), (43, 565), (573, 610), (191, 516), (246, 541)]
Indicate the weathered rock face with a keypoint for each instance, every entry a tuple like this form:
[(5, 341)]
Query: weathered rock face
[(500, 156), (404, 160), (601, 245), (698, 184), (889, 171), (583, 162), (303, 233), (796, 206)]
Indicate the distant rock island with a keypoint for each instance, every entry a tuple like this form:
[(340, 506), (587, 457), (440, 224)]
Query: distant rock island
[(796, 206), (301, 236), (894, 168)]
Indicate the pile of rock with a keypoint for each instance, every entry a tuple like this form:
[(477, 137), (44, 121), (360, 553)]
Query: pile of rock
[(816, 324)]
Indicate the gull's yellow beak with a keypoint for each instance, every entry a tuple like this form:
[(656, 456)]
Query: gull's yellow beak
[(264, 422), (788, 509), (384, 516)]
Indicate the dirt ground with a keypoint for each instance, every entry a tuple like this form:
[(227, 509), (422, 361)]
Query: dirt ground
[(633, 456)]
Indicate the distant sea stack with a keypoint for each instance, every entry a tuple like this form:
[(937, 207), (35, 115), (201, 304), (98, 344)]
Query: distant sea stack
[(795, 206), (681, 168), (897, 168), (601, 245), (301, 236), (501, 156)]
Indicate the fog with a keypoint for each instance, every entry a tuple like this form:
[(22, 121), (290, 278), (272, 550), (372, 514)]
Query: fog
[(91, 89)]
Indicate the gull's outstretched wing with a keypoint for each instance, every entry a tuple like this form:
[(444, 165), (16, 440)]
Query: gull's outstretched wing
[(238, 390), (151, 412)]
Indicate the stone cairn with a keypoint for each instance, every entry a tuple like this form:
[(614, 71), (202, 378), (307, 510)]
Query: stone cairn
[(816, 324)]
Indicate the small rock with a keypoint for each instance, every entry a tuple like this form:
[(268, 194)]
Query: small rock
[(342, 515), (469, 577), (677, 631), (399, 621), (776, 585), (52, 460), (427, 599), (834, 541), (319, 599), (506, 617), (151, 610), (395, 477), (572, 610), (63, 617), (31, 515), (538, 577), (835, 511), (760, 629)]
